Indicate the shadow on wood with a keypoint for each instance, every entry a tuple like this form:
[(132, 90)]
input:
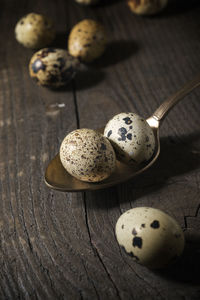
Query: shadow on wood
[(116, 52), (61, 40), (107, 2), (187, 269), (177, 157), (180, 6), (84, 79)]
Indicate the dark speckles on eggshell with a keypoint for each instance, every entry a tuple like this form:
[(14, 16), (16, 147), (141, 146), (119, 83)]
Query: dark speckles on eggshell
[(129, 136), (131, 254), (137, 242), (94, 155), (103, 146), (46, 51), (56, 65), (38, 65), (127, 120), (32, 31), (109, 133), (122, 133), (87, 40), (134, 231), (155, 224), (61, 62)]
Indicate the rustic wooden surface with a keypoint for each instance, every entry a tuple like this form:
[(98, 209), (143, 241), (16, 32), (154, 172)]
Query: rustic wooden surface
[(62, 245)]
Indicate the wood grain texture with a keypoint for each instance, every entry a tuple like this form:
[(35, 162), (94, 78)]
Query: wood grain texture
[(61, 245)]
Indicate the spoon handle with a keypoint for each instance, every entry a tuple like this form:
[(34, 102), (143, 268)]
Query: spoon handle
[(165, 107)]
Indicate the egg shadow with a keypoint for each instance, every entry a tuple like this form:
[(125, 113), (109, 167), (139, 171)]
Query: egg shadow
[(84, 79), (107, 2), (88, 78), (178, 156), (61, 40), (176, 7), (116, 51), (187, 268)]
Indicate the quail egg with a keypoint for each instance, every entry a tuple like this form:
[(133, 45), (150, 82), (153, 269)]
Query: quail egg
[(87, 155), (150, 236), (147, 7), (35, 31), (132, 138), (87, 2), (87, 40), (53, 67)]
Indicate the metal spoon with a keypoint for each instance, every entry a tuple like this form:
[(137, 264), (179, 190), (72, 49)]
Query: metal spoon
[(56, 177)]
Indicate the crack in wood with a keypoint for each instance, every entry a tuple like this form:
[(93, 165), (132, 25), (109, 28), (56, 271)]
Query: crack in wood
[(95, 250), (75, 103), (195, 216), (81, 296), (90, 280)]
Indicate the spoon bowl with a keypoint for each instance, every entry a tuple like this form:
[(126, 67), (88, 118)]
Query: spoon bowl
[(57, 178)]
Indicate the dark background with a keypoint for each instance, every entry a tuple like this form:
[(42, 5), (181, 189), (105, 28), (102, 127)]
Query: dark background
[(62, 245)]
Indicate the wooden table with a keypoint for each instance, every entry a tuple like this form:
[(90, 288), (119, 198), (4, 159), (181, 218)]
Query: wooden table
[(62, 245)]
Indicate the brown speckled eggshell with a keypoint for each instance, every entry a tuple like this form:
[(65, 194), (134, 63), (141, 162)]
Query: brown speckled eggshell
[(35, 31), (146, 7), (87, 40), (87, 155), (53, 67)]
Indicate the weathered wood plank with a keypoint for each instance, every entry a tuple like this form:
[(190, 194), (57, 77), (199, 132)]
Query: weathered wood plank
[(62, 246)]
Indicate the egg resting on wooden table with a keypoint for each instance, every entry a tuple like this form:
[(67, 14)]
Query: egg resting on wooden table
[(87, 40), (147, 7), (132, 138), (150, 236), (53, 67), (87, 2), (87, 155), (35, 31)]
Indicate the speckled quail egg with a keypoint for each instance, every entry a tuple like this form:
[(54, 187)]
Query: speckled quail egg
[(87, 2), (53, 67), (150, 236), (87, 40), (87, 155), (35, 31), (132, 138), (147, 7)]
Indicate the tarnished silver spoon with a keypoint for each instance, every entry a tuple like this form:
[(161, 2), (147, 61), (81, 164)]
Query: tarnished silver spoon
[(56, 177)]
